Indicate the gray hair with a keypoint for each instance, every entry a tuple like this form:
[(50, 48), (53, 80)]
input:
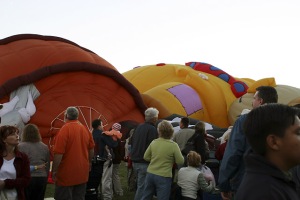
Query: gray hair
[(72, 113), (151, 113)]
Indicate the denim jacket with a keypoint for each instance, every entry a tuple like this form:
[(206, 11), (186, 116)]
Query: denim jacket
[(232, 168)]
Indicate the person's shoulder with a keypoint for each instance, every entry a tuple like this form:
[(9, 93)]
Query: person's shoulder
[(68, 124), (156, 141), (106, 137), (172, 143), (178, 132), (188, 130), (163, 140), (43, 145), (145, 126), (183, 169), (175, 135), (139, 127), (73, 123), (64, 128), (264, 189), (242, 118), (150, 126), (238, 124), (20, 154), (97, 132), (22, 144), (22, 147)]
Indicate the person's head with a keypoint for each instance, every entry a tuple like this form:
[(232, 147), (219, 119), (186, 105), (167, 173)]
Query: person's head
[(151, 115), (193, 159), (9, 136), (116, 127), (200, 127), (31, 134), (97, 124), (184, 122), (264, 94), (72, 113), (165, 130), (273, 130)]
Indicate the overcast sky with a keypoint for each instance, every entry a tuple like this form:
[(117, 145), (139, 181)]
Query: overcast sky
[(245, 38)]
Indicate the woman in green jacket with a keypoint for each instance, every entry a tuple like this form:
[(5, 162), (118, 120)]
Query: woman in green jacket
[(162, 153)]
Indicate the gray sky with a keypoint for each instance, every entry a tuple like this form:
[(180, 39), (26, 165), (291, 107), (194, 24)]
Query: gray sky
[(245, 38)]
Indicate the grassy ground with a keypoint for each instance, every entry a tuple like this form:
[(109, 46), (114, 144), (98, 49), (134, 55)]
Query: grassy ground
[(123, 176)]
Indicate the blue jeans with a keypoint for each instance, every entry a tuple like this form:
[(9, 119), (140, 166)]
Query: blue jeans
[(140, 169), (160, 184)]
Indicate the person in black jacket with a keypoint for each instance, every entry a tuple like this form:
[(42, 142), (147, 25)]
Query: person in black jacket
[(100, 157), (273, 132), (296, 177), (197, 143), (201, 145), (140, 140)]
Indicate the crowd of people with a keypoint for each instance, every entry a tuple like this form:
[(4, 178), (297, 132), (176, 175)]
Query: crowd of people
[(155, 152), (259, 156), (24, 165)]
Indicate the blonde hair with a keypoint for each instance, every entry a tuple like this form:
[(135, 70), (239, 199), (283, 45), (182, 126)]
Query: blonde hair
[(165, 129), (193, 159)]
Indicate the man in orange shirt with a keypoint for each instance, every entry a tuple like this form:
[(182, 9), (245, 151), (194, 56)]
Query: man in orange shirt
[(73, 153)]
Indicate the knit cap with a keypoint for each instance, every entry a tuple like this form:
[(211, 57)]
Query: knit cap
[(116, 126)]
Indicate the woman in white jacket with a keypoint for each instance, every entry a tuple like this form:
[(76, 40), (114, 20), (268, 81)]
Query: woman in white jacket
[(190, 179)]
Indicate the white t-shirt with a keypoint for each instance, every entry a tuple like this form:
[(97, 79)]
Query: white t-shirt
[(8, 171)]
